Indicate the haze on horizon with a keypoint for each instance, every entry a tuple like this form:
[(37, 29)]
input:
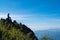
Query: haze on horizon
[(36, 14)]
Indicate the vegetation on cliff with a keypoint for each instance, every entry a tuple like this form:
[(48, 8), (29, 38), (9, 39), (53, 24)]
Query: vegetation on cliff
[(13, 31)]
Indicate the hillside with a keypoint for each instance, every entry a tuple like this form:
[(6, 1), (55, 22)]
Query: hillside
[(13, 31)]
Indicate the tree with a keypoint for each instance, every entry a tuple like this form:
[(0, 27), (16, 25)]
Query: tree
[(14, 21), (46, 38)]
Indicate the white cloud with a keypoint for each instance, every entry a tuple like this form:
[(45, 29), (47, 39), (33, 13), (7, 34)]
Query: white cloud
[(19, 17), (44, 26), (15, 17), (47, 23)]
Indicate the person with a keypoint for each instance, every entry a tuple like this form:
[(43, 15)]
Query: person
[(8, 18)]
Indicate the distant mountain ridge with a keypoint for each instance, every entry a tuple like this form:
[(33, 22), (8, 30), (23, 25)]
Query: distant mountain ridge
[(53, 33), (13, 31)]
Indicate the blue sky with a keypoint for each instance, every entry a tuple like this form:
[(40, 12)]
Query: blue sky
[(36, 14)]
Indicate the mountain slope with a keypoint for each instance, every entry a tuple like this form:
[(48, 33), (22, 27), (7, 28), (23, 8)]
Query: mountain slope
[(13, 31)]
